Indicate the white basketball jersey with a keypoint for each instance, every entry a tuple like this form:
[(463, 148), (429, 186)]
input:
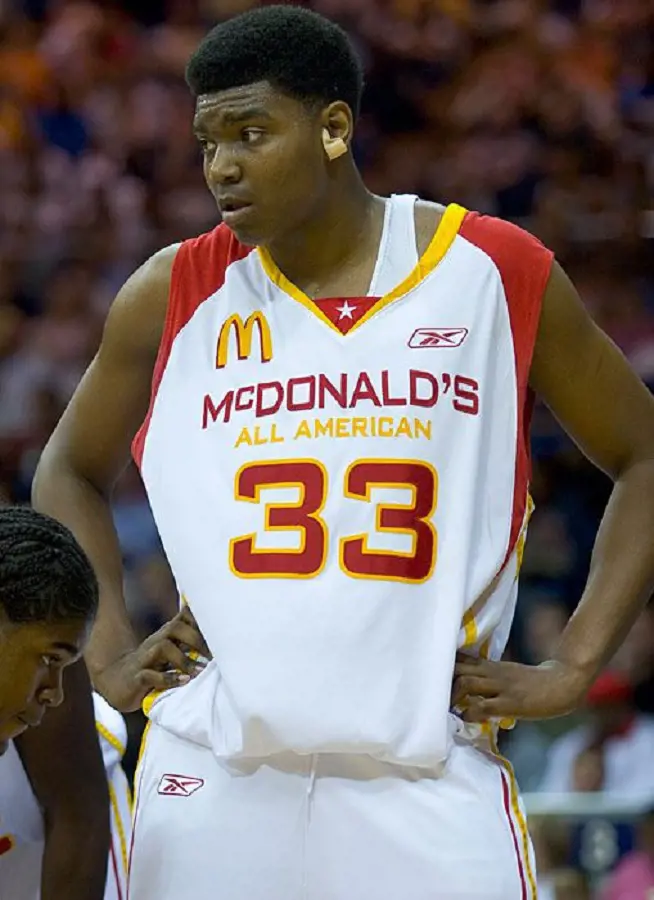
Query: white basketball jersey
[(22, 837), (341, 485)]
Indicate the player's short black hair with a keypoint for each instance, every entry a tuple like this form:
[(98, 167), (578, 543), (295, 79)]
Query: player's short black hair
[(45, 576), (296, 50)]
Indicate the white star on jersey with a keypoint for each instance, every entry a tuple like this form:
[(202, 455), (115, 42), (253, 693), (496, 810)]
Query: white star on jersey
[(346, 310)]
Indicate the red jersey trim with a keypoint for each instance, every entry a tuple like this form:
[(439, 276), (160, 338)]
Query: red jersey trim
[(524, 265), (198, 271)]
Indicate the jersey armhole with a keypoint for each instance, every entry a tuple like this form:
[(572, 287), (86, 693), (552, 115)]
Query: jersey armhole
[(197, 273), (524, 265)]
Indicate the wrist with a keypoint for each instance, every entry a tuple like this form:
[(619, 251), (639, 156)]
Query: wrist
[(579, 674), (578, 654), (107, 646), (98, 665)]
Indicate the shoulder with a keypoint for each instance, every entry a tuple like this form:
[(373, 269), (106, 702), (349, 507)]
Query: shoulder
[(200, 269), (210, 253), (150, 283), (513, 251), (518, 263), (136, 319), (520, 259)]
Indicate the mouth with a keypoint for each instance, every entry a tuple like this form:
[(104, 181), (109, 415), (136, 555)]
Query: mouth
[(233, 210), (29, 721)]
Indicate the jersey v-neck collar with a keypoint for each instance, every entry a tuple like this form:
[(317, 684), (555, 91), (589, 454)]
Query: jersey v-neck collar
[(325, 309)]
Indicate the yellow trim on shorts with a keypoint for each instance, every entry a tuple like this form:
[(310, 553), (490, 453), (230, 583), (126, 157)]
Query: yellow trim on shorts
[(518, 815), (119, 827)]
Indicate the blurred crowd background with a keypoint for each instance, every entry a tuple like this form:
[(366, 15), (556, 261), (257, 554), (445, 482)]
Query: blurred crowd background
[(538, 111)]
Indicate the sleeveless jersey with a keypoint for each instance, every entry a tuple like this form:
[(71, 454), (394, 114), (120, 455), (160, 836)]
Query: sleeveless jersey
[(341, 485), (22, 836)]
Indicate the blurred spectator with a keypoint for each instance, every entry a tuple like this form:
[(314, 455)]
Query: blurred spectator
[(557, 880), (634, 876), (612, 752)]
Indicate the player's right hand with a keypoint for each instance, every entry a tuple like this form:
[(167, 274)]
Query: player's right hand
[(161, 662)]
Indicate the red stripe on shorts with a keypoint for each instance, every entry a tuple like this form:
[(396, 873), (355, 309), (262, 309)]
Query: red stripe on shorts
[(506, 796), (134, 821), (114, 865)]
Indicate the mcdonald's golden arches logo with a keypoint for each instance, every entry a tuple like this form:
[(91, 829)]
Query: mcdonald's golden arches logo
[(244, 336)]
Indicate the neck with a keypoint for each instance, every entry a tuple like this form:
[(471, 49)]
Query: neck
[(325, 241)]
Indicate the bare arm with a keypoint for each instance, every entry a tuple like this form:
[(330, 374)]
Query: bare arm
[(63, 761), (91, 445), (87, 452), (609, 413)]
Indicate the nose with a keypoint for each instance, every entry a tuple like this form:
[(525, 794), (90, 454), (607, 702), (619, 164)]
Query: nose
[(52, 692), (224, 167)]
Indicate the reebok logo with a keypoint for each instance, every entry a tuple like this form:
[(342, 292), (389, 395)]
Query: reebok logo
[(179, 785), (437, 337)]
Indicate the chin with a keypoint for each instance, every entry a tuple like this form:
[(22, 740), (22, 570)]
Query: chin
[(10, 730), (247, 237)]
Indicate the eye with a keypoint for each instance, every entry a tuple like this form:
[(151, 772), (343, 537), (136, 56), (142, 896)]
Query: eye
[(252, 135), (49, 660), (207, 147)]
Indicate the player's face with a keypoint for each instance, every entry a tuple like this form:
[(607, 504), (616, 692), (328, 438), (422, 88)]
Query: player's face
[(32, 659), (263, 159)]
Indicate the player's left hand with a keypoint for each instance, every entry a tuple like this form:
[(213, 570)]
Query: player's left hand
[(485, 690)]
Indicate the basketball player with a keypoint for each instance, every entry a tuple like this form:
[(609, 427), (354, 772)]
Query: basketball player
[(26, 860), (331, 395), (48, 600)]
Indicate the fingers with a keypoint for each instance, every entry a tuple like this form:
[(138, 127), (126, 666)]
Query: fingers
[(187, 637), (184, 630), (164, 659), (468, 687), (166, 654), (477, 688), (477, 710), (481, 710), (465, 658), (152, 680), (469, 665)]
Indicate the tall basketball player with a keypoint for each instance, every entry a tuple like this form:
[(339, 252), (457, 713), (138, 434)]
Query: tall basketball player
[(331, 394), (48, 600)]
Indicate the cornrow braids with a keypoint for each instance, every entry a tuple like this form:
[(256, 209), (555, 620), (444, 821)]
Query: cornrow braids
[(45, 575)]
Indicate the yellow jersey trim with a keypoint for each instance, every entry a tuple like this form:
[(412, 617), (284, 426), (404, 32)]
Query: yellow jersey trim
[(444, 236), (110, 738)]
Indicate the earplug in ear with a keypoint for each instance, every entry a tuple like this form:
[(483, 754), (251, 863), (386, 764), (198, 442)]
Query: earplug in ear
[(334, 146)]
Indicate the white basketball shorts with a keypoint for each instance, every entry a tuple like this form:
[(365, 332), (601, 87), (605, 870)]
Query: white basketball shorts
[(325, 827)]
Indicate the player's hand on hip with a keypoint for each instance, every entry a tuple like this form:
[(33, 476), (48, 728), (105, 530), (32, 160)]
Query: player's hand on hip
[(484, 689), (169, 658)]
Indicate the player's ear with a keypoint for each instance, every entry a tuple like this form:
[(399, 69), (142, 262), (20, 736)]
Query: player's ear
[(337, 127)]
